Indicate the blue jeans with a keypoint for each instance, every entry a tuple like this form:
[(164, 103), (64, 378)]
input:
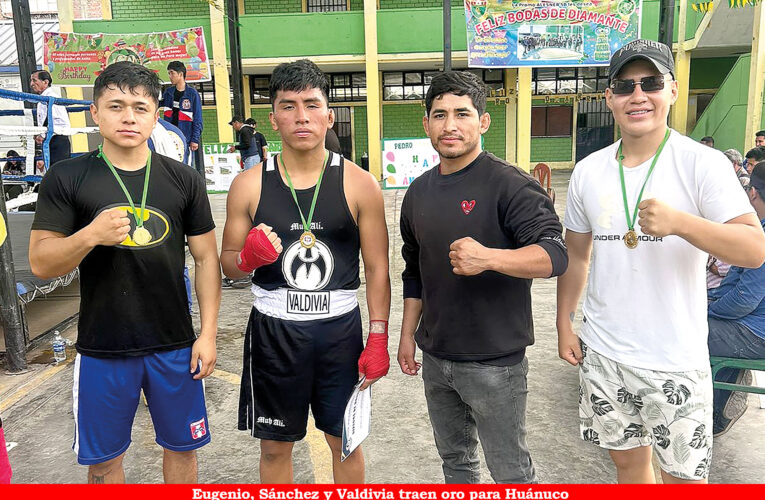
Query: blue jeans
[(251, 161), (469, 400), (731, 340)]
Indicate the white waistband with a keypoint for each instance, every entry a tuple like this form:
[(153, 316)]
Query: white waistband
[(301, 305)]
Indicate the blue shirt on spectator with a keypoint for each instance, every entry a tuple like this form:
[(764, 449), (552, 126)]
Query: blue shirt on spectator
[(740, 298)]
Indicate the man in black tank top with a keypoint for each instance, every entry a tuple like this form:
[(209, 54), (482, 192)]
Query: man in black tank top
[(299, 221)]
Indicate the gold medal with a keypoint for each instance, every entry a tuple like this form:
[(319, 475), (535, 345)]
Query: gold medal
[(307, 239), (631, 239), (141, 236)]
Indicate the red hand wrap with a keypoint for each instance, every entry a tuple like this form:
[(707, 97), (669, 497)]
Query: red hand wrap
[(375, 361), (258, 251), (5, 465)]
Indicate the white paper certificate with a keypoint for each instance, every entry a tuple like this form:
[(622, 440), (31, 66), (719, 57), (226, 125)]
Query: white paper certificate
[(357, 419)]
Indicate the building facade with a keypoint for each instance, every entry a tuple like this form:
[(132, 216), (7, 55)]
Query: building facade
[(381, 55)]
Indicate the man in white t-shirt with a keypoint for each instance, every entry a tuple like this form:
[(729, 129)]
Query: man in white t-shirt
[(649, 208)]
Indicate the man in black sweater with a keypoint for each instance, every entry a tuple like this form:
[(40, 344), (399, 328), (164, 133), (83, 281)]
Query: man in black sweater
[(476, 230)]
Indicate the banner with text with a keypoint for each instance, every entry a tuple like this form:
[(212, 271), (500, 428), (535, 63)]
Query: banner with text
[(548, 32), (76, 59), (220, 166), (406, 159)]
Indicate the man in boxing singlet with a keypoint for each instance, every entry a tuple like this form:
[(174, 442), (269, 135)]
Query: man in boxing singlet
[(298, 221)]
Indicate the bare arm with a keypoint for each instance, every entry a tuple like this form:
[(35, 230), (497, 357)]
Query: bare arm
[(204, 249), (241, 204), (374, 247), (570, 287), (53, 254), (406, 344), (740, 241)]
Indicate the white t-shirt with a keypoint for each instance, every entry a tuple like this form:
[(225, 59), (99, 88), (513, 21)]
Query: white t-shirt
[(647, 307), (60, 115)]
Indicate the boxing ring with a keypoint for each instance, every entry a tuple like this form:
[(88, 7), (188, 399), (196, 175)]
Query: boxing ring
[(22, 189)]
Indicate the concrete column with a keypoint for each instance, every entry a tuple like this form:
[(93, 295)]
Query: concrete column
[(679, 118), (246, 92), (523, 112), (77, 120), (511, 80), (756, 78), (220, 71), (374, 100), (106, 9)]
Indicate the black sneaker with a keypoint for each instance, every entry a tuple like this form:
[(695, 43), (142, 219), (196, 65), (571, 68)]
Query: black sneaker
[(734, 408), (737, 402)]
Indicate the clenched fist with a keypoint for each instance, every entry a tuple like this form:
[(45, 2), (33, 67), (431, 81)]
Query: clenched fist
[(658, 219), (110, 227), (468, 257)]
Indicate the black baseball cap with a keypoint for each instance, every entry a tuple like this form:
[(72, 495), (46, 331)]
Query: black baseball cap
[(656, 53), (235, 119)]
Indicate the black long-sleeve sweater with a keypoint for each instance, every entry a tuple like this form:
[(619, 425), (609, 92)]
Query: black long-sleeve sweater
[(485, 317)]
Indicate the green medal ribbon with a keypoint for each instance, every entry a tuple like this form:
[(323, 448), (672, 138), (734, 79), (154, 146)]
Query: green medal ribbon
[(139, 219), (307, 239), (631, 237)]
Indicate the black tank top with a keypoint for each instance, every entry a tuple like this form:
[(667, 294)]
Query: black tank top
[(333, 262)]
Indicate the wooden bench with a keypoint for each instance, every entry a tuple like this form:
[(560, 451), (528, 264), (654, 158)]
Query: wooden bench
[(719, 363)]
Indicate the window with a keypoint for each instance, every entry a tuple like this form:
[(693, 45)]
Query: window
[(344, 87), (551, 121), (326, 5), (259, 89), (206, 92), (410, 85), (547, 81)]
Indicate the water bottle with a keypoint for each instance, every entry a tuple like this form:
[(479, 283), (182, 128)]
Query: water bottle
[(59, 347)]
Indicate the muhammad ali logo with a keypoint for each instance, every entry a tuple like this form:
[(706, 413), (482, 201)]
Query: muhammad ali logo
[(308, 268)]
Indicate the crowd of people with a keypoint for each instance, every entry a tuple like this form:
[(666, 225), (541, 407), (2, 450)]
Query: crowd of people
[(534, 41), (300, 223), (736, 311)]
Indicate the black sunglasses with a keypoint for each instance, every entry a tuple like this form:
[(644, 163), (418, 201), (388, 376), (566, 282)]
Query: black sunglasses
[(647, 84)]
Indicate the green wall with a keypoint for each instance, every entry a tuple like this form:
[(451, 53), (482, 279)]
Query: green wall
[(403, 4), (494, 138), (145, 9), (724, 118), (138, 24), (209, 126), (289, 35), (360, 135), (418, 30), (402, 120), (547, 149), (271, 6), (709, 73)]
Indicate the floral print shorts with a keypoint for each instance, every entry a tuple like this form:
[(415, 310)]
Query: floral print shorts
[(622, 407)]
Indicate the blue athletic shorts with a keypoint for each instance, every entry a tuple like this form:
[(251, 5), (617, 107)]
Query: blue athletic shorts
[(106, 393), (291, 365)]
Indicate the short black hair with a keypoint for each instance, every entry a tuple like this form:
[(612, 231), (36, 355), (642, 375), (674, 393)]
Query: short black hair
[(458, 83), (757, 178), (757, 153), (296, 77), (251, 121), (44, 76), (708, 138), (125, 75), (760, 133), (178, 67)]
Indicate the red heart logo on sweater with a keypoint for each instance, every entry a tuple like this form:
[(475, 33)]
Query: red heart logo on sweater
[(467, 206)]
